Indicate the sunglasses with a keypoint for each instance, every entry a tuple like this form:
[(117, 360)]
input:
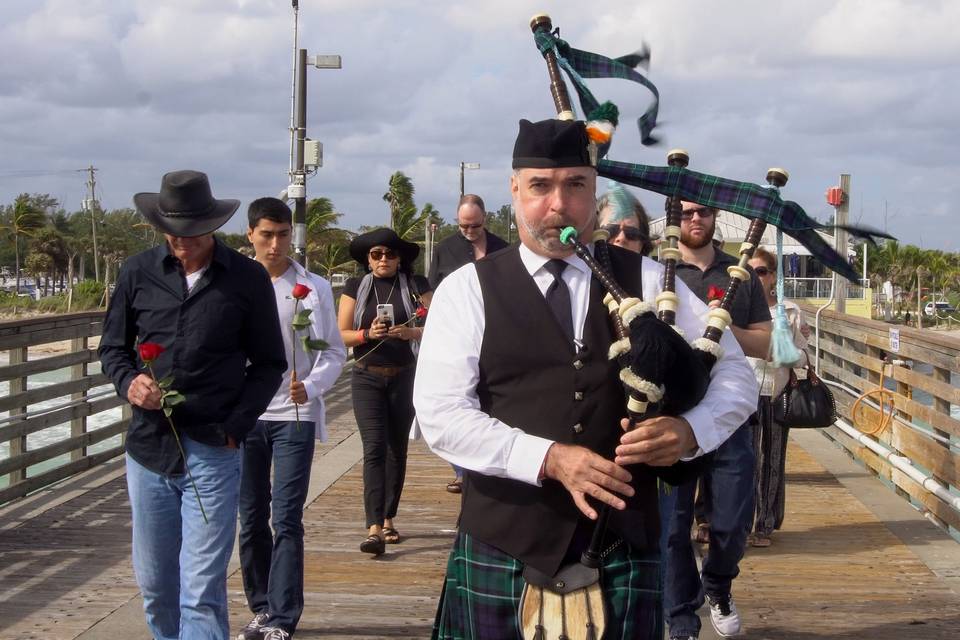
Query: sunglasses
[(378, 254), (703, 212), (762, 271), (466, 227), (630, 233)]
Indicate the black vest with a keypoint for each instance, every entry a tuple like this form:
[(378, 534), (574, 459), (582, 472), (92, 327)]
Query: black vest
[(532, 378)]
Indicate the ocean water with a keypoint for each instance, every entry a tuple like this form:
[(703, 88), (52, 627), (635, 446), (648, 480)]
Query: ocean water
[(56, 433)]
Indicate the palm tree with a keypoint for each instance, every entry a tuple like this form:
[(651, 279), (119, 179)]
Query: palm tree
[(24, 218), (399, 196)]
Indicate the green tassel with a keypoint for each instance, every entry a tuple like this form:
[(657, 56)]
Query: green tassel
[(606, 111), (591, 632)]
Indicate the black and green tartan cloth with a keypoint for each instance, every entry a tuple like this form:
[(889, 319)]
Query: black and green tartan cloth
[(744, 198), (481, 594), (580, 64)]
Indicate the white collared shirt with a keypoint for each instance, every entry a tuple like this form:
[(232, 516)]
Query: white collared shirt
[(445, 394)]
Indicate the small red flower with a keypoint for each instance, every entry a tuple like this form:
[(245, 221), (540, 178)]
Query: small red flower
[(714, 293), (421, 312), (300, 291), (150, 351)]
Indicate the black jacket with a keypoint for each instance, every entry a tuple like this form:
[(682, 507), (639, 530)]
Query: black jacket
[(222, 346), (452, 253)]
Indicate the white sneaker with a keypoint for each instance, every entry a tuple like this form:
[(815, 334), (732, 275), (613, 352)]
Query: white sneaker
[(724, 616)]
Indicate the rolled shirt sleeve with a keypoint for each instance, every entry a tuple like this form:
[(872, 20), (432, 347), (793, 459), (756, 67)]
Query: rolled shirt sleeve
[(445, 396)]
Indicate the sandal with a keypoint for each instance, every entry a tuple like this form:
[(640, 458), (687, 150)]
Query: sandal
[(701, 534), (373, 545), (759, 540), (455, 486), (391, 535)]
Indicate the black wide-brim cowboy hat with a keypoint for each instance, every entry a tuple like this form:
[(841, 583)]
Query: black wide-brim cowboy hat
[(185, 206), (383, 237)]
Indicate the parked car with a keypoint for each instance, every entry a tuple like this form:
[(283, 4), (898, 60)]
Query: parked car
[(938, 308), (338, 279)]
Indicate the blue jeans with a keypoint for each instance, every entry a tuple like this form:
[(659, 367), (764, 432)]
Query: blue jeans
[(180, 561), (730, 478), (272, 561)]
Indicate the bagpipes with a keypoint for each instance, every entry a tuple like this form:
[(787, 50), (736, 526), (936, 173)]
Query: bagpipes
[(662, 373)]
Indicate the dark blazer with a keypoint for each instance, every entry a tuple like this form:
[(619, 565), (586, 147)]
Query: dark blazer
[(452, 253)]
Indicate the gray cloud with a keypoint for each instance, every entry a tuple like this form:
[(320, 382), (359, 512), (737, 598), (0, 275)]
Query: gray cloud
[(141, 87)]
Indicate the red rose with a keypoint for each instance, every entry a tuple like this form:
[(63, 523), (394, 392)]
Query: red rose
[(421, 312), (714, 293), (150, 351), (300, 291)]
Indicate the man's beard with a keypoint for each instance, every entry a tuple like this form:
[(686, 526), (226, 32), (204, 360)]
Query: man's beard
[(548, 243), (687, 240)]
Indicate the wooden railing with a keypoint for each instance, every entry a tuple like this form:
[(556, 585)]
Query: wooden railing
[(66, 401), (921, 374)]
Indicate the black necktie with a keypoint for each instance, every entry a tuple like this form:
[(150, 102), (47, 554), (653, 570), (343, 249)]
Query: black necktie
[(558, 297)]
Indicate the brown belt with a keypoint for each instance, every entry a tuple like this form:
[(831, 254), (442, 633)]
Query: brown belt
[(386, 372)]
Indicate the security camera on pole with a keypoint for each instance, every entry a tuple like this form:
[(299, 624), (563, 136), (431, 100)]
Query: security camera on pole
[(305, 155)]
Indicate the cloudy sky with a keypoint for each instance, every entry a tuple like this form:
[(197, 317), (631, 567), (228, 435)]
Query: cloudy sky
[(821, 87)]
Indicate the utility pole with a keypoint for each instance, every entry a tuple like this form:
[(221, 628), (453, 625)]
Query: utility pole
[(93, 207)]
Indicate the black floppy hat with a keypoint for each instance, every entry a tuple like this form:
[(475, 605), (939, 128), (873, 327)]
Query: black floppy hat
[(185, 205), (384, 237)]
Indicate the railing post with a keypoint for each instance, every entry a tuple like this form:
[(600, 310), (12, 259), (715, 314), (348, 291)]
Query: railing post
[(941, 405), (78, 426), (18, 445)]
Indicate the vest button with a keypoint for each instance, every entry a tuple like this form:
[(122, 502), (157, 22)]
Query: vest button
[(578, 395), (578, 364), (577, 428), (560, 584)]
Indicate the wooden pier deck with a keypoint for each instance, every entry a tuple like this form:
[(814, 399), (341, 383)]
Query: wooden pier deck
[(853, 560)]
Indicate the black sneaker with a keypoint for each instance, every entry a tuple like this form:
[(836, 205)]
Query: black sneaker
[(252, 630)]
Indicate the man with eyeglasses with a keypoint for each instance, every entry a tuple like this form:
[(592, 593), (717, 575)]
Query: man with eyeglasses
[(472, 243), (726, 486)]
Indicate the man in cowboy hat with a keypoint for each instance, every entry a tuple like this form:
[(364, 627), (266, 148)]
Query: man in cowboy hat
[(513, 384), (220, 347)]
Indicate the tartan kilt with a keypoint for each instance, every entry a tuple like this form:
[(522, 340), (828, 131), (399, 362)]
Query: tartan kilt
[(481, 594)]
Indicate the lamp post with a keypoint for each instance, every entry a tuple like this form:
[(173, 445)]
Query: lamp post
[(299, 164), (466, 165)]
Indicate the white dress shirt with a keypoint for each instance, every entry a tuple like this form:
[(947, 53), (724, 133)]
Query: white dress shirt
[(445, 389)]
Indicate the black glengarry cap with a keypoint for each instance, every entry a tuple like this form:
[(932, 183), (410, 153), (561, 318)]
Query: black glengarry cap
[(550, 144)]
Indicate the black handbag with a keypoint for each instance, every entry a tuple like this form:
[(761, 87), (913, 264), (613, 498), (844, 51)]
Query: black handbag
[(805, 404)]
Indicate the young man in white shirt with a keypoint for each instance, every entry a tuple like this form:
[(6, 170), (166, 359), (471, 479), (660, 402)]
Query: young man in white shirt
[(272, 561)]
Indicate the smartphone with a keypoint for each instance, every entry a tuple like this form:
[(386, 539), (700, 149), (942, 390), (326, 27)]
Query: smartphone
[(385, 314)]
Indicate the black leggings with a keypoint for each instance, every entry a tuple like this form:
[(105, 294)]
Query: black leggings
[(383, 407)]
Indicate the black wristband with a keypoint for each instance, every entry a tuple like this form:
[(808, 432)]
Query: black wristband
[(366, 335)]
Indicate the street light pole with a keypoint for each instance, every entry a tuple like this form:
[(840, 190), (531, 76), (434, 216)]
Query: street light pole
[(299, 176), (466, 165)]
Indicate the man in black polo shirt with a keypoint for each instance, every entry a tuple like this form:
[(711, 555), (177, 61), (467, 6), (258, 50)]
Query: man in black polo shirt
[(211, 312), (469, 245), (727, 482)]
